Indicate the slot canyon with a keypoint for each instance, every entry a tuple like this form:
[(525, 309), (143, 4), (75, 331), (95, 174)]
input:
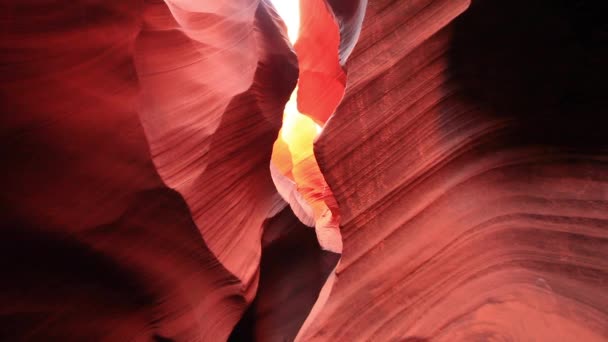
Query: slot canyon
[(304, 170)]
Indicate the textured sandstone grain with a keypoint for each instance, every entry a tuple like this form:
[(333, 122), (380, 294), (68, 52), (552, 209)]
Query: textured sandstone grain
[(472, 192), (464, 148), (136, 139)]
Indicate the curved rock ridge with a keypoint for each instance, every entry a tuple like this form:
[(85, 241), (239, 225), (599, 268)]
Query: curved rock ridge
[(109, 106), (300, 182), (211, 132), (470, 209), (349, 15), (462, 171)]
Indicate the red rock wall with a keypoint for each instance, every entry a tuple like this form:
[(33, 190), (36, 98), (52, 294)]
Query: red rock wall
[(468, 159), (470, 175), (213, 86), (136, 139)]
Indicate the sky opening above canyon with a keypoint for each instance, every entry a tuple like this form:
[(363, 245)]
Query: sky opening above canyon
[(289, 10)]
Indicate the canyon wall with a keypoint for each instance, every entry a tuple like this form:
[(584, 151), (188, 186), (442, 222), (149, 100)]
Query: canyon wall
[(464, 143), (468, 160), (136, 138)]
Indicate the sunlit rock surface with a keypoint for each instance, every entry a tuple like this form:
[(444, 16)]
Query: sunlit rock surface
[(294, 169), (464, 147)]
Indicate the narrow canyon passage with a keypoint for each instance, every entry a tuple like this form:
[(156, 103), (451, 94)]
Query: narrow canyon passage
[(306, 257), (293, 165), (321, 170)]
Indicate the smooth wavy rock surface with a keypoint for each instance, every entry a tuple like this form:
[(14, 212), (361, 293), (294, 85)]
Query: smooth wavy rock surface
[(321, 80), (212, 114), (469, 162), (464, 148), (136, 139)]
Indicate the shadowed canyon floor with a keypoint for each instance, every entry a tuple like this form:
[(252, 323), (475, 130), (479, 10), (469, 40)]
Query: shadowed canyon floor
[(464, 145)]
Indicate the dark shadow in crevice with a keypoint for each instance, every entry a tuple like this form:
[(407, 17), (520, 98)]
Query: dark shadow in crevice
[(541, 64), (293, 270)]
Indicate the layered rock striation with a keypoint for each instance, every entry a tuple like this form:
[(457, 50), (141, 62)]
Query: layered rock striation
[(462, 165)]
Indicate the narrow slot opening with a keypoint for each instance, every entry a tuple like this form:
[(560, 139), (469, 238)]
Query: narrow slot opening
[(294, 168)]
